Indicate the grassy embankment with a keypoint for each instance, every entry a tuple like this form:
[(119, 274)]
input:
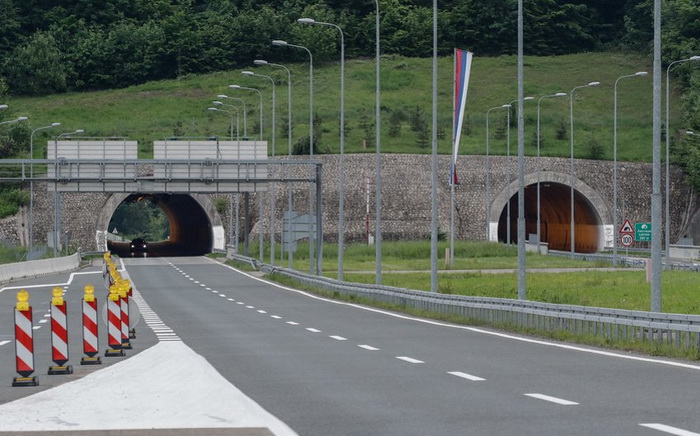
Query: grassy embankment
[(166, 108)]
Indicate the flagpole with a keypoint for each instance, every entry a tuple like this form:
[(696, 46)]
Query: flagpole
[(453, 163)]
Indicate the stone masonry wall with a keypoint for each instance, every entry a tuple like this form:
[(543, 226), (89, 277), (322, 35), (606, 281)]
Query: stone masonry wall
[(406, 197)]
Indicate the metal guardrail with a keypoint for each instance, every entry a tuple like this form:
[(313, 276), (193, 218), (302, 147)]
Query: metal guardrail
[(678, 330)]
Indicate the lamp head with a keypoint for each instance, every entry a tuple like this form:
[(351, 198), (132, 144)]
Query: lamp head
[(694, 58), (641, 73), (594, 84), (234, 86), (212, 109), (247, 73), (306, 20), (506, 105), (22, 118), (280, 42), (79, 131), (217, 102), (3, 106), (560, 94), (55, 124), (260, 62), (528, 98), (222, 96), (690, 132)]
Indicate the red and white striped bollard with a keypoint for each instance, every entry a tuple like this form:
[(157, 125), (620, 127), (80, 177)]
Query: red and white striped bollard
[(24, 342), (114, 321), (59, 334), (91, 345)]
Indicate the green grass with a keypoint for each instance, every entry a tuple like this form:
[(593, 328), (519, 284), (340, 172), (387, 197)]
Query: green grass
[(407, 265), (162, 109)]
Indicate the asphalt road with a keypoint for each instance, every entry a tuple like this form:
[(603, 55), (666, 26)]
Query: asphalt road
[(330, 368)]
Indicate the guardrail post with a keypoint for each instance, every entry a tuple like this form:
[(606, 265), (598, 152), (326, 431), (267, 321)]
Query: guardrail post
[(24, 342), (59, 334)]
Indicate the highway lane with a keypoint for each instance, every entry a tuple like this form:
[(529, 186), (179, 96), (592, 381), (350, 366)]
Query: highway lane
[(329, 368)]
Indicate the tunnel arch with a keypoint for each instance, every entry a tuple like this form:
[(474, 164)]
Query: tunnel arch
[(195, 226), (593, 222)]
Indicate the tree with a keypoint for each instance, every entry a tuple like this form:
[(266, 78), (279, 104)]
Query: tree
[(36, 67)]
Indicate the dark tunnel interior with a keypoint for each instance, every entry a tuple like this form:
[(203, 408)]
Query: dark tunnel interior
[(555, 218), (190, 228)]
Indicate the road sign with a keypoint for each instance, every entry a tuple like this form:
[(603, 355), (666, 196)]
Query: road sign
[(627, 227), (626, 239), (642, 232)]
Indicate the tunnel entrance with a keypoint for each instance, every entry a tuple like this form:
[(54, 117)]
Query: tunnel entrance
[(555, 218), (189, 230)]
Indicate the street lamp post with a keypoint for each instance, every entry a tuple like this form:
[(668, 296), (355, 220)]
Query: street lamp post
[(539, 220), (271, 192), (378, 154), (57, 201), (637, 74), (509, 105), (260, 139), (341, 164), (488, 172), (571, 162), (289, 143), (216, 109), (31, 184), (281, 43), (245, 117), (667, 227)]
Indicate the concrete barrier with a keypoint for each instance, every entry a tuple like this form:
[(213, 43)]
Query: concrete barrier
[(34, 268)]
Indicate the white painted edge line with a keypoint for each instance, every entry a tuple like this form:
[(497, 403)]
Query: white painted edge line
[(670, 430), (51, 285), (368, 347), (409, 359), (472, 329), (466, 376), (313, 330), (4, 342), (552, 399), (338, 338)]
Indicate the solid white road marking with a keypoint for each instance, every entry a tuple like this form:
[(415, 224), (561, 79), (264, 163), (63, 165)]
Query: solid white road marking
[(466, 376), (409, 359), (670, 430), (552, 399), (339, 338), (368, 347)]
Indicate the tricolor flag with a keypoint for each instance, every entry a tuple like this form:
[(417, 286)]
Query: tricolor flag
[(463, 64)]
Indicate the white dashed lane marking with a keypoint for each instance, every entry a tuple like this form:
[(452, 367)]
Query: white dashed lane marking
[(409, 359), (554, 400), (3, 343), (338, 338), (466, 376), (670, 430), (368, 347)]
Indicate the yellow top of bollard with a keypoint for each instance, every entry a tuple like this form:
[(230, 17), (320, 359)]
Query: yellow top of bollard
[(113, 293), (22, 301), (123, 289), (57, 299), (89, 293)]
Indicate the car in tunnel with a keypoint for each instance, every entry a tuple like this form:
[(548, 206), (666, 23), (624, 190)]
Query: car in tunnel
[(139, 244)]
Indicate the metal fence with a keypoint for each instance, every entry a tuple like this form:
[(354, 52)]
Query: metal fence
[(676, 330)]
